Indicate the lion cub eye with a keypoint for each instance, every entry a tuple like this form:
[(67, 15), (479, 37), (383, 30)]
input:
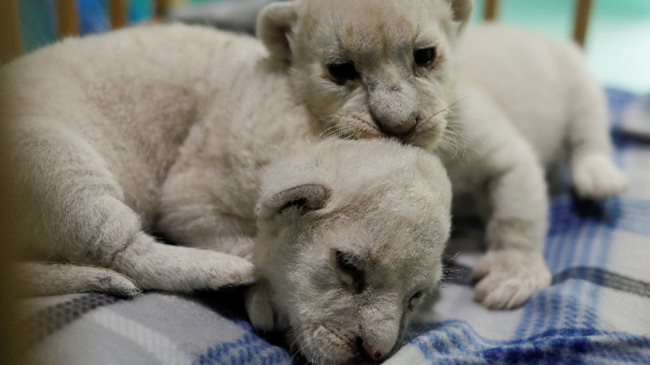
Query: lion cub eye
[(342, 72), (414, 298), (351, 274), (425, 56)]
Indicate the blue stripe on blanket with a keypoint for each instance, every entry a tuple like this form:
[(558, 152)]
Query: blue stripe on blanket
[(577, 241), (462, 276), (249, 349), (618, 100), (604, 278), (573, 241), (455, 342)]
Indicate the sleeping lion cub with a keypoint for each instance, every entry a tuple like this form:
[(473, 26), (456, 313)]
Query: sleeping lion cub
[(125, 136)]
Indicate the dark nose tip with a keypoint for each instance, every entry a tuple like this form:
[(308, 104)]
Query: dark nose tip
[(366, 352), (401, 130)]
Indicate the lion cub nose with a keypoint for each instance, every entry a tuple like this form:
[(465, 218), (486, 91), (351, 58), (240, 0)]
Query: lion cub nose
[(367, 351), (401, 129)]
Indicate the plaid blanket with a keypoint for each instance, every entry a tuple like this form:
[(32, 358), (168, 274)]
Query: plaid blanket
[(597, 310)]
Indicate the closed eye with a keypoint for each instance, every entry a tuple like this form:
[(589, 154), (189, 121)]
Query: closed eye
[(352, 275), (414, 299), (343, 72)]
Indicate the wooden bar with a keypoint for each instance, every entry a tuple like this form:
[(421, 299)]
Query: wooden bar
[(118, 13), (491, 10), (10, 45), (68, 18), (160, 10), (581, 25)]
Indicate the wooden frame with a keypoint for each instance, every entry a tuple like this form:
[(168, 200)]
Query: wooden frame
[(580, 23), (160, 8), (118, 13), (67, 16), (491, 10), (68, 20), (10, 46)]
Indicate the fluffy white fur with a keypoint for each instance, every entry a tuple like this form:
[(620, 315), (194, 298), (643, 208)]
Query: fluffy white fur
[(345, 280), (545, 89), (97, 123), (170, 128), (528, 101), (192, 133), (496, 123)]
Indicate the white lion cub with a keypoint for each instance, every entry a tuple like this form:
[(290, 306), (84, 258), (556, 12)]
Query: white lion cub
[(365, 70), (118, 137), (349, 238)]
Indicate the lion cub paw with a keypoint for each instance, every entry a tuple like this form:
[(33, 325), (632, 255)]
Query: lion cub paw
[(506, 279), (216, 270), (596, 176)]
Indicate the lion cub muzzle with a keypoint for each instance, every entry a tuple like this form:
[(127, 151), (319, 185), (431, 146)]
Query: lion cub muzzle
[(394, 110)]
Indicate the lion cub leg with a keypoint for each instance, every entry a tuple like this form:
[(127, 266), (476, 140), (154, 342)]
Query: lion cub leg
[(511, 181), (44, 278), (513, 268), (80, 217), (594, 173)]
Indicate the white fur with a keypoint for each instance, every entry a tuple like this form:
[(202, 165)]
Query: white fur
[(97, 124), (532, 98), (192, 133), (545, 89), (171, 128), (497, 122), (37, 278), (498, 168), (389, 217), (454, 117)]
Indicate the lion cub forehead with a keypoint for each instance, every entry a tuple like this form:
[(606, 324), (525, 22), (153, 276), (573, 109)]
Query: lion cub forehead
[(383, 244), (371, 26)]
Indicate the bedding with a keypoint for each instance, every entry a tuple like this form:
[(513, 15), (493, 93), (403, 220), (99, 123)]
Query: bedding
[(597, 311)]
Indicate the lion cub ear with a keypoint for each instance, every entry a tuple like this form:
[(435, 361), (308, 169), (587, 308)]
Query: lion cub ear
[(296, 200), (461, 9), (274, 27)]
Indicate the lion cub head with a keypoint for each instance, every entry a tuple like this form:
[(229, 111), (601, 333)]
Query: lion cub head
[(369, 68), (345, 250)]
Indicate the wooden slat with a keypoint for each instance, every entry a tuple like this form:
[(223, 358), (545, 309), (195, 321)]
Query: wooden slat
[(581, 25), (67, 18), (491, 10), (10, 46), (161, 7), (118, 13)]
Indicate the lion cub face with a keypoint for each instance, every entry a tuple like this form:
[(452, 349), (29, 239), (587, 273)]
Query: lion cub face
[(346, 253), (369, 68)]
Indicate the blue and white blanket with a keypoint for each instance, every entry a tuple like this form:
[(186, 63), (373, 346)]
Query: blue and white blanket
[(597, 311)]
